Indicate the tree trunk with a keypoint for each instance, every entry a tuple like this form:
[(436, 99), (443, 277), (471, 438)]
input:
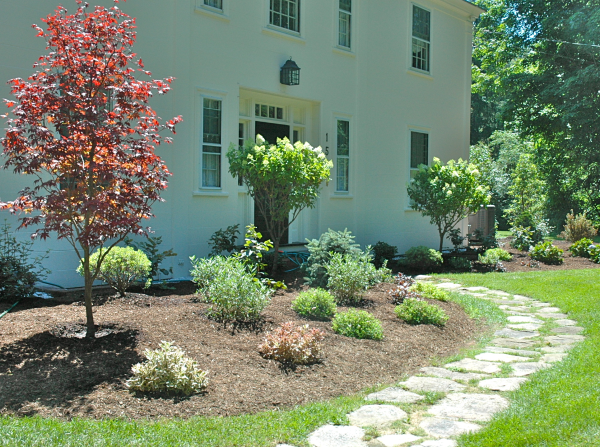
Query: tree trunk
[(441, 240), (91, 329), (275, 256)]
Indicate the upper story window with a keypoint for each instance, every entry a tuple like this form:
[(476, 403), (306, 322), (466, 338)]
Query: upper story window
[(420, 38), (343, 156), (217, 4), (344, 27), (285, 14), (211, 143)]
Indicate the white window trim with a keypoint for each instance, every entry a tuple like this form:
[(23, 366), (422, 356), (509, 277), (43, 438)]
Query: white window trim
[(412, 69), (284, 32), (337, 11), (342, 117), (419, 129), (222, 14), (198, 188)]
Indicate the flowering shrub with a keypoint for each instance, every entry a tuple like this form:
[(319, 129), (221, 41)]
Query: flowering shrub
[(402, 289), (547, 253), (416, 311), (315, 303), (582, 248), (422, 258), (291, 344), (357, 324), (430, 291), (167, 369), (578, 227)]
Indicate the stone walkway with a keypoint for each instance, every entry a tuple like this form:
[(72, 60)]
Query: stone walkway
[(464, 394)]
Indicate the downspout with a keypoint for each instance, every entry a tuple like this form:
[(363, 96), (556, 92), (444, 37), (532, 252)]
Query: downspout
[(9, 309)]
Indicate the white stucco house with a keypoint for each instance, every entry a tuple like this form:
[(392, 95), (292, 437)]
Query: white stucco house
[(384, 85)]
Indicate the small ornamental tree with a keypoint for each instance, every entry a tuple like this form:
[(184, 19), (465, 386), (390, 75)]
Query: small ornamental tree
[(83, 128), (447, 193), (283, 179)]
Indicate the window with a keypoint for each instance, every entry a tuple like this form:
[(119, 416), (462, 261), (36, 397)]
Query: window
[(344, 23), (285, 14), (217, 4), (211, 143), (419, 151), (267, 111), (420, 38), (343, 156)]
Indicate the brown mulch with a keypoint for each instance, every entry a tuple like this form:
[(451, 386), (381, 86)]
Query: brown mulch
[(47, 369)]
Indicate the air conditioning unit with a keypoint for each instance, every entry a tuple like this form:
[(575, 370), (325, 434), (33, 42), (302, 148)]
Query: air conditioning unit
[(485, 219)]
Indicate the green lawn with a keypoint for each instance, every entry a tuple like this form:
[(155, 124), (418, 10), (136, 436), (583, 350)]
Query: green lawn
[(559, 406)]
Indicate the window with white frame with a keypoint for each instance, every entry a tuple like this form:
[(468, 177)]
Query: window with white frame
[(217, 4), (344, 24), (343, 156), (211, 143), (285, 14), (421, 38), (419, 151)]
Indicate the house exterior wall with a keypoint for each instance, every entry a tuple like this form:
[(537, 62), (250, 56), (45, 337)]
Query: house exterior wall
[(234, 56)]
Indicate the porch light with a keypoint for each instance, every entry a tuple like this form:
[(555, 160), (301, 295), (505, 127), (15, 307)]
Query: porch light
[(290, 73)]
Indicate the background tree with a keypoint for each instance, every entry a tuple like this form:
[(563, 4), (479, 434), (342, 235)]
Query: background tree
[(283, 179), (96, 173), (527, 194), (447, 193)]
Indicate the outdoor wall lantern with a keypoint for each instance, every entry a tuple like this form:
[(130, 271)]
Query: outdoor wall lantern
[(290, 73)]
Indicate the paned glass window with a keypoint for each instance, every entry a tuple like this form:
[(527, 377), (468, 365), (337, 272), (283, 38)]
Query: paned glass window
[(211, 143), (285, 14), (419, 150), (345, 15), (343, 156), (421, 38), (266, 111), (218, 4)]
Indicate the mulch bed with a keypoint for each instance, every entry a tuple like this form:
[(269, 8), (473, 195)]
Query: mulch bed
[(48, 369)]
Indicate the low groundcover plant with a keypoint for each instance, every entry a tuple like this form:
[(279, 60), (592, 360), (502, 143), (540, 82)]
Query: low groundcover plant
[(317, 304), (416, 311), (291, 344), (357, 324)]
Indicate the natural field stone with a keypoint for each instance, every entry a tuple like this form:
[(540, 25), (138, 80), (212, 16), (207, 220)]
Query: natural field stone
[(521, 319), (510, 351), (472, 407), (507, 302), (434, 384), (552, 358), (557, 315), (566, 322), (509, 384), (540, 304), (522, 298), (524, 369), (479, 295), (548, 310), (517, 308), (572, 330), (505, 358), (557, 349), (397, 440), (445, 428), (522, 314), (337, 436), (439, 443), (475, 365), (423, 277), (524, 326), (476, 288), (510, 333), (449, 285), (564, 339), (453, 375), (514, 343), (376, 415), (394, 394), (498, 292)]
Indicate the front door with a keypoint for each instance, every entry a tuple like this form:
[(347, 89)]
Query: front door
[(270, 132)]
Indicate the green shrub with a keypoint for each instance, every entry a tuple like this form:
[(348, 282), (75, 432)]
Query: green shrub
[(18, 271), (582, 248), (423, 258), (416, 311), (430, 291), (522, 238), (224, 240), (121, 267), (167, 369), (547, 253), (578, 227), (460, 264), (291, 344), (150, 248), (317, 304), (494, 255), (357, 324), (595, 254), (320, 252), (383, 252), (232, 291)]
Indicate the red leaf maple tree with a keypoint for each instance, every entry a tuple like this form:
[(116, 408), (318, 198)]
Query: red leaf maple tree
[(83, 127)]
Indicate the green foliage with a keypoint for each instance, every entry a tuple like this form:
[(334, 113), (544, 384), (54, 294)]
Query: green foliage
[(525, 237), (320, 253), (493, 255), (382, 252), (595, 254), (416, 311), (485, 242), (232, 291), (447, 193), (460, 264), (316, 304), (578, 227), (582, 248), (150, 248), (351, 274), (224, 240), (283, 179), (293, 345), (167, 369), (422, 258), (402, 288), (527, 194), (456, 238), (547, 253), (121, 267), (357, 324), (430, 291), (18, 271)]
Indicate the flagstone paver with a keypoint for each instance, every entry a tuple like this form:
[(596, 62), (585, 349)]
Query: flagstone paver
[(446, 428), (510, 333), (514, 343), (508, 384), (563, 339), (432, 384), (556, 315), (511, 351), (557, 349), (475, 365), (394, 394), (551, 310), (504, 358), (447, 374), (397, 440), (449, 285), (572, 330), (338, 436), (524, 369), (376, 415), (471, 407), (565, 322), (524, 326), (521, 319), (552, 358), (439, 443)]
